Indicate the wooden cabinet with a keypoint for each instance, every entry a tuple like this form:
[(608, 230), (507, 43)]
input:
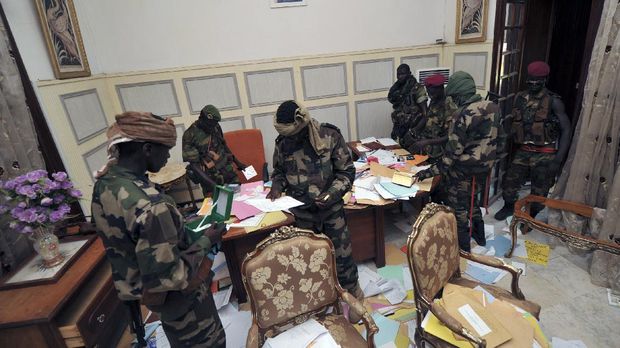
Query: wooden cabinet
[(80, 309)]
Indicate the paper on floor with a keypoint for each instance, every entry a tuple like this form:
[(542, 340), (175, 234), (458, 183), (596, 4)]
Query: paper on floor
[(489, 231), (236, 325), (302, 335), (557, 342), (388, 329), (519, 265), (613, 298), (222, 297), (219, 267)]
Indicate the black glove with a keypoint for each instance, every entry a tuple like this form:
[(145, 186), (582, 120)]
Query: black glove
[(274, 193), (424, 174), (327, 199), (215, 232)]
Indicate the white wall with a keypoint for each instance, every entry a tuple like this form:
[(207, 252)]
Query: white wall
[(136, 35)]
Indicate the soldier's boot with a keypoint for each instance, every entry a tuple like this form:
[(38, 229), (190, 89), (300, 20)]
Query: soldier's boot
[(464, 239), (506, 211), (359, 294), (478, 232)]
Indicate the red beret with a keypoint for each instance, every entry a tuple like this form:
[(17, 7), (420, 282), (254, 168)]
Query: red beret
[(435, 80), (538, 69)]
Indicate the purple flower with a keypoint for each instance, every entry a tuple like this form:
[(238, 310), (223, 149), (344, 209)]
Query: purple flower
[(66, 185), (22, 205), (65, 208), (75, 193), (34, 176), (46, 201), (53, 185), (10, 185), (27, 191), (16, 212), (41, 218), (26, 229), (28, 215), (3, 209), (59, 198), (20, 180), (56, 216), (60, 176)]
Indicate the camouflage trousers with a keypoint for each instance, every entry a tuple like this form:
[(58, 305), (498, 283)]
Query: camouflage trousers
[(331, 222), (458, 196), (199, 327), (532, 165)]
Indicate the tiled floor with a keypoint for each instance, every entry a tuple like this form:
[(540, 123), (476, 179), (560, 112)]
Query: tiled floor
[(572, 307)]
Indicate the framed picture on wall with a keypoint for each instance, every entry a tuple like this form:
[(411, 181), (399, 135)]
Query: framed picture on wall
[(62, 35), (471, 20), (287, 3)]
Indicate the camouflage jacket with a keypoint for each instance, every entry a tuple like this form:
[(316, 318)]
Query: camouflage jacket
[(405, 99), (144, 236), (438, 121), (197, 143), (304, 175), (472, 141)]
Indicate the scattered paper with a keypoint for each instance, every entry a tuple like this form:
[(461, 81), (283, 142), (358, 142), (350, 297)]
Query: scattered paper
[(250, 222), (360, 165), (484, 274), (243, 210), (487, 295), (161, 341), (614, 299), (408, 282), (236, 325), (474, 320), (251, 189), (479, 250), (387, 142), (302, 335), (537, 252), (384, 157), (393, 291), (489, 231), (266, 205), (367, 183), (221, 298), (392, 272), (220, 267), (249, 172), (377, 169), (368, 280), (520, 250), (362, 148), (560, 343), (368, 140), (501, 245), (362, 193), (383, 192), (400, 191), (388, 329)]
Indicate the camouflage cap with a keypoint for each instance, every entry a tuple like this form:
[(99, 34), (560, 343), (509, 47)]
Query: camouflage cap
[(210, 112)]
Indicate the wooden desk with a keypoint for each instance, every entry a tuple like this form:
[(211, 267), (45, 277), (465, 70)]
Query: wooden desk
[(356, 154), (80, 309)]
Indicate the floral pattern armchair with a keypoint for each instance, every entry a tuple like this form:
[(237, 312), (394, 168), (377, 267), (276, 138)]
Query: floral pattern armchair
[(433, 257), (291, 277)]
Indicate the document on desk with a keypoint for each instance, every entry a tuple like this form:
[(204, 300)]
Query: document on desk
[(368, 140), (282, 203), (250, 222), (387, 142)]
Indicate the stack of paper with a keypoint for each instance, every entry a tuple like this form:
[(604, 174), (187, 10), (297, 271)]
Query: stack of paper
[(303, 335), (483, 273), (398, 191), (384, 157), (267, 205), (387, 142)]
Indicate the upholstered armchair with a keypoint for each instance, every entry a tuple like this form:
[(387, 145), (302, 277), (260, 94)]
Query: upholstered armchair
[(433, 257), (290, 278)]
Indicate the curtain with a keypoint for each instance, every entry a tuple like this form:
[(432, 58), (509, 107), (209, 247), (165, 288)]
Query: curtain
[(19, 151), (591, 174)]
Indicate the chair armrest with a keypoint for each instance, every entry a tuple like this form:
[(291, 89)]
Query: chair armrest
[(356, 307), (454, 325), (499, 263), (252, 341)]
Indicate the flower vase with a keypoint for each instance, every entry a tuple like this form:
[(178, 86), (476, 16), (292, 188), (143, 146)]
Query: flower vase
[(46, 244)]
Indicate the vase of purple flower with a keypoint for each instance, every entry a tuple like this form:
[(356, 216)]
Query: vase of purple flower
[(34, 203)]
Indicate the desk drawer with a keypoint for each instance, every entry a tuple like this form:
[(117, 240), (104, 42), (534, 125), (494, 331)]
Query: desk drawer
[(95, 317)]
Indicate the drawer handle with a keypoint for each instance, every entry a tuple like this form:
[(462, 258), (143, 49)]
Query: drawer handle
[(101, 318)]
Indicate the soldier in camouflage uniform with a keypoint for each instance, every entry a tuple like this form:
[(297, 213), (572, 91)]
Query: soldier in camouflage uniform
[(312, 164), (539, 124), (408, 98), (204, 146), (434, 135), (469, 156), (151, 256)]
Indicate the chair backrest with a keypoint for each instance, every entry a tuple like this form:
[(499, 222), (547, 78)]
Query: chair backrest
[(290, 276), (433, 251), (247, 146)]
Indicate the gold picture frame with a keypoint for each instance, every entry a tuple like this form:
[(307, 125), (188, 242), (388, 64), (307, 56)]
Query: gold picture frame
[(471, 21), (64, 40)]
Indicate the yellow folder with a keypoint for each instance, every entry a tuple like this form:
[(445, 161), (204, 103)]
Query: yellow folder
[(269, 219)]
